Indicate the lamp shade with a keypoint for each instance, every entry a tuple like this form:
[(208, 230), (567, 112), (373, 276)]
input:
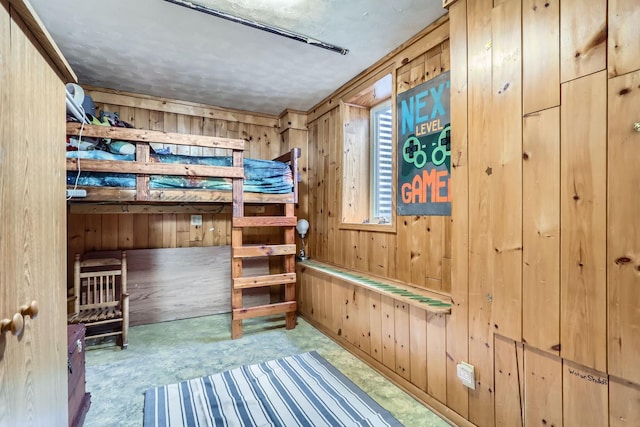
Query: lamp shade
[(302, 226)]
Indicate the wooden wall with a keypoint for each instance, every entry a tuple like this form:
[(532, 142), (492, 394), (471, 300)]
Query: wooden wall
[(167, 226), (418, 251), (549, 93), (543, 242)]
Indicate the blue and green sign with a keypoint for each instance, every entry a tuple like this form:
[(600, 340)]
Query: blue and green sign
[(424, 150)]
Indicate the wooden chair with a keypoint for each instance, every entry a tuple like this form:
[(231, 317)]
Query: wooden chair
[(101, 301)]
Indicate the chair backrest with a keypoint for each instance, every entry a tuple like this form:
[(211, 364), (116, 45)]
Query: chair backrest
[(99, 283)]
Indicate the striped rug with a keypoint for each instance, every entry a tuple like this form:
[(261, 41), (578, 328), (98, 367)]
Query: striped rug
[(300, 390)]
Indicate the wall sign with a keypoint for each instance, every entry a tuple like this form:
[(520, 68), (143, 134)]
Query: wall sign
[(424, 148)]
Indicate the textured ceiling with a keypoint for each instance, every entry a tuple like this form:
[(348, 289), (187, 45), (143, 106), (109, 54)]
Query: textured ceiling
[(157, 48)]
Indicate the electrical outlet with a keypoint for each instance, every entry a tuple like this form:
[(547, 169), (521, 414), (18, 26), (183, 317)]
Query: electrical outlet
[(196, 220), (466, 374)]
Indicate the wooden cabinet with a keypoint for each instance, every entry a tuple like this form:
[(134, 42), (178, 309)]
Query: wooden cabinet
[(79, 399), (33, 364)]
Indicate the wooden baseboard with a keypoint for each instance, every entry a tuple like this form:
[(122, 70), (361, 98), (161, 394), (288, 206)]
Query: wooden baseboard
[(420, 395)]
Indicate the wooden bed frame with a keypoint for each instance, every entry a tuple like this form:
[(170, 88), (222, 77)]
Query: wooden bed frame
[(143, 168), (143, 195)]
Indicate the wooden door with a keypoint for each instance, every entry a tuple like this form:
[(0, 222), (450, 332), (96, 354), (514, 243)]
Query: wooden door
[(33, 378)]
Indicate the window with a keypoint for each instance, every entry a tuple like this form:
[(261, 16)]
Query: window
[(382, 162), (367, 165)]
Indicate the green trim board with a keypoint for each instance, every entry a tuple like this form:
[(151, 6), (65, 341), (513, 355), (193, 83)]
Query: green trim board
[(424, 299)]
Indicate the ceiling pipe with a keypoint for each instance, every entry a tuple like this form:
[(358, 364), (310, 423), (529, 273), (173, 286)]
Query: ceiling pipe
[(260, 26)]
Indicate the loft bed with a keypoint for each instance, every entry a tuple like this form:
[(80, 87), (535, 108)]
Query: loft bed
[(146, 183), (146, 177)]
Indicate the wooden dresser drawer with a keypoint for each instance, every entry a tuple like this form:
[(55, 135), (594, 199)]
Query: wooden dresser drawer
[(79, 400)]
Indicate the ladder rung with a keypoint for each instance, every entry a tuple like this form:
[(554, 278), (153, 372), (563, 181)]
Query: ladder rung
[(260, 281), (264, 310), (263, 250), (265, 221)]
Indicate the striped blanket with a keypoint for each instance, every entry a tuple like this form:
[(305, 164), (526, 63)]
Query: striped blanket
[(300, 390)]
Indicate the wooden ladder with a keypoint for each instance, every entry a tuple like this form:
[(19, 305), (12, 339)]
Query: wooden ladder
[(239, 252)]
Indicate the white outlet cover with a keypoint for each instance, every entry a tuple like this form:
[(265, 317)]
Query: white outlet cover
[(466, 374)]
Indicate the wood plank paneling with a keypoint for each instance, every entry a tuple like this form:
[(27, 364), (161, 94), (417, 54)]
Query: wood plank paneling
[(436, 356), (419, 254), (585, 400), (141, 231), (355, 201), (402, 254), (402, 337), (345, 291), (540, 54), (583, 221), (388, 333), (109, 232), (361, 302), (481, 249), (624, 403), (155, 230), (509, 394), (623, 37), (125, 232), (377, 253), (541, 230), (75, 240), (583, 35), (93, 233), (169, 236), (418, 346), (506, 154), (458, 322), (542, 388), (623, 243), (375, 324), (153, 103)]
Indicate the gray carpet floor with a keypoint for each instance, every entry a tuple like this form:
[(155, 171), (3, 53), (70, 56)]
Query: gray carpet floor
[(169, 352)]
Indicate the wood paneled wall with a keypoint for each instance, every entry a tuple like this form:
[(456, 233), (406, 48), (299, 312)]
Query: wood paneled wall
[(541, 123), (169, 227), (419, 251), (543, 245)]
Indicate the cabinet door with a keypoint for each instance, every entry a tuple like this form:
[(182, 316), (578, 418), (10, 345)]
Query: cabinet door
[(33, 378), (623, 239)]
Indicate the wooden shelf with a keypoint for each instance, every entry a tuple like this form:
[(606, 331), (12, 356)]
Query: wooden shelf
[(427, 300)]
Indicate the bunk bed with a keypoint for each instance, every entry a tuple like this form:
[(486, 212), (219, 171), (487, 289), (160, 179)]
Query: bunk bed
[(136, 174), (146, 178)]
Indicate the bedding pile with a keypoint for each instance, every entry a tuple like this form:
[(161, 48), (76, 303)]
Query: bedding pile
[(261, 176)]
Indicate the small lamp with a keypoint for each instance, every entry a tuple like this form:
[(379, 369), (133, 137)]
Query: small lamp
[(302, 226)]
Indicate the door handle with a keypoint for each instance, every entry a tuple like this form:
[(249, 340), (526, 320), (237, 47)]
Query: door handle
[(15, 324), (30, 309)]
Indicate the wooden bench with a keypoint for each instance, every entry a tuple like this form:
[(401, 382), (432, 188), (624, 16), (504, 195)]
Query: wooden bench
[(422, 298)]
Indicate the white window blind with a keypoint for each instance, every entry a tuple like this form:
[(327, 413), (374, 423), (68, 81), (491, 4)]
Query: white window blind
[(382, 162)]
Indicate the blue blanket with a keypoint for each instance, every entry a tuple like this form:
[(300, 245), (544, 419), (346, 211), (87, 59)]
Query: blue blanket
[(300, 390)]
